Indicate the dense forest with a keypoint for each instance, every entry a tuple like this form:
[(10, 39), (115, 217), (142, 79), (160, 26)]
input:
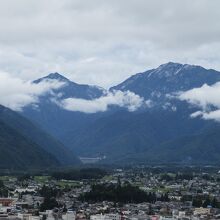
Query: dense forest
[(120, 193)]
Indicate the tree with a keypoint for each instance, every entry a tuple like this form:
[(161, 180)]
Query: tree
[(197, 202), (49, 203), (206, 203), (47, 191), (1, 184), (3, 190), (215, 203)]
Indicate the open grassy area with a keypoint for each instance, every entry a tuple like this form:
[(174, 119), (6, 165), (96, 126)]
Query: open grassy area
[(41, 179), (4, 178), (7, 178), (108, 178), (69, 183)]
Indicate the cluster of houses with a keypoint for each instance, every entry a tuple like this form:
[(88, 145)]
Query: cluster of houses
[(23, 200)]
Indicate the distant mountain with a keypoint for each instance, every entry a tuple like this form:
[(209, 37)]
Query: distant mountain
[(57, 121), (130, 136), (168, 78), (36, 135), (71, 89), (122, 133), (19, 152), (201, 148), (130, 133)]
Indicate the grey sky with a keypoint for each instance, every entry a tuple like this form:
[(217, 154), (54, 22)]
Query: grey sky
[(103, 42)]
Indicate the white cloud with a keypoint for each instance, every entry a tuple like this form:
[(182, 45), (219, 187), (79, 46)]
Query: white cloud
[(212, 115), (103, 42), (196, 114), (16, 93), (126, 99), (215, 115), (207, 98), (203, 96)]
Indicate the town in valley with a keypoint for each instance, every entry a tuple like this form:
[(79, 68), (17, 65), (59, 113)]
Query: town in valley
[(140, 192)]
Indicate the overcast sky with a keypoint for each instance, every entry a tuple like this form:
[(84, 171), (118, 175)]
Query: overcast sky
[(103, 42)]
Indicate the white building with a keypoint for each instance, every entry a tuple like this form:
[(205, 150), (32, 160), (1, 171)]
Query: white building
[(70, 215), (105, 217), (28, 217)]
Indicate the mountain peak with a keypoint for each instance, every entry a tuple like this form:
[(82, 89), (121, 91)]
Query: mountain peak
[(171, 69), (55, 75), (170, 65), (168, 78)]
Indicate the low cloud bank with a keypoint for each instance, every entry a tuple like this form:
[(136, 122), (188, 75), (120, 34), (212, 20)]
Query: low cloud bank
[(127, 99), (16, 93), (207, 98)]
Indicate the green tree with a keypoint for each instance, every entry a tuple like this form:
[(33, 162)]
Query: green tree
[(215, 203), (197, 202), (49, 203), (206, 203)]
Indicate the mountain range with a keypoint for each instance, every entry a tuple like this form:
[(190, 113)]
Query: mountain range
[(159, 130), (144, 135)]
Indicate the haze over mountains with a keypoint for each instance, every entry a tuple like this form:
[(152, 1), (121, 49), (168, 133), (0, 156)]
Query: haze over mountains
[(148, 118), (158, 116)]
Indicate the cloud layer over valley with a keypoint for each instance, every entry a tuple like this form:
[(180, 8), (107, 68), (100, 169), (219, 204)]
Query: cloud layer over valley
[(16, 93), (207, 98), (128, 99)]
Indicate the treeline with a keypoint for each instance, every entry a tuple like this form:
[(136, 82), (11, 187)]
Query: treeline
[(117, 193), (88, 173)]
